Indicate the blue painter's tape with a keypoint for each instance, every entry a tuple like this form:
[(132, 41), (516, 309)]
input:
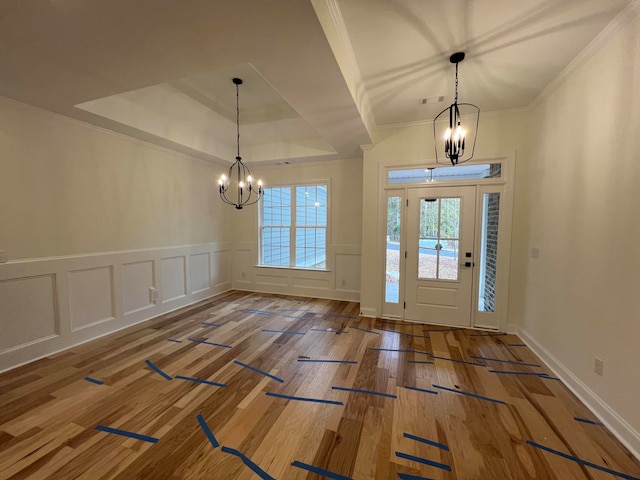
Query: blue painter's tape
[(516, 344), (458, 361), (584, 420), (402, 324), (157, 370), (320, 471), (261, 372), (399, 350), (583, 462), (532, 374), (174, 340), (406, 476), (336, 315), (487, 334), (211, 324), (414, 336), (303, 399), (199, 380), (94, 380), (421, 390), (294, 310), (391, 331), (365, 330), (329, 330), (506, 361), (353, 362), (256, 469), (209, 343), (427, 362), (208, 432), (369, 392), (424, 440), (287, 332), (469, 394), (259, 312), (424, 461), (126, 433)]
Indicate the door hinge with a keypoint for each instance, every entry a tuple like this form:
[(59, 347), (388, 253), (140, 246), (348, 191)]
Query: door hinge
[(404, 305), (405, 254), (407, 202)]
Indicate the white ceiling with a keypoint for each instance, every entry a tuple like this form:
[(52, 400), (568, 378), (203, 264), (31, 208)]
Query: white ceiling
[(320, 76)]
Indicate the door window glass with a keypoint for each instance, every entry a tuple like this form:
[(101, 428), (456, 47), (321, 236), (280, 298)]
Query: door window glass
[(489, 252), (439, 237), (392, 270)]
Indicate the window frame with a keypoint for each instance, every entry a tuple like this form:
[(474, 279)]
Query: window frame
[(293, 227)]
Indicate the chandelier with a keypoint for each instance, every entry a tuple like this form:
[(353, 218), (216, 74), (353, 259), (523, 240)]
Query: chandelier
[(244, 192), (455, 136)]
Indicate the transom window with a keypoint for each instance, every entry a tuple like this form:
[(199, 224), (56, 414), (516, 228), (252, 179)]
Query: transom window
[(293, 227)]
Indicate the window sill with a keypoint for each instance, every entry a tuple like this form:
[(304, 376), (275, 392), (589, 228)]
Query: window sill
[(278, 267)]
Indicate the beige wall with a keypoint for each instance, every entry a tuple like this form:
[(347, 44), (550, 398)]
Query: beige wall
[(67, 188), (582, 211)]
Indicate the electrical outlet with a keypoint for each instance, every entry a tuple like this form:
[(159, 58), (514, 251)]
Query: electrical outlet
[(243, 274), (344, 283), (598, 366), (535, 252), (154, 294), (3, 256)]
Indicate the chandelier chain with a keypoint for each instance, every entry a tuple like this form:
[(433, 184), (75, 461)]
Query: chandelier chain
[(238, 118), (456, 99)]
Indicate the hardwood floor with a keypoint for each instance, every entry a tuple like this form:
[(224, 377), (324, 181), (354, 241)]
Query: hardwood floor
[(425, 402)]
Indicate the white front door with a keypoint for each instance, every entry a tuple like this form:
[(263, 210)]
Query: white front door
[(439, 256)]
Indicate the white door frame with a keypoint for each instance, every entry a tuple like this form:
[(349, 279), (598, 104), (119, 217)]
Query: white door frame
[(505, 186)]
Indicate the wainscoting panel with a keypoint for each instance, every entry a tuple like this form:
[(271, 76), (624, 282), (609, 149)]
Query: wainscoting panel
[(220, 268), (31, 297), (48, 305), (340, 281), (309, 282), (91, 296), (137, 279), (200, 272), (348, 272), (271, 280), (174, 278)]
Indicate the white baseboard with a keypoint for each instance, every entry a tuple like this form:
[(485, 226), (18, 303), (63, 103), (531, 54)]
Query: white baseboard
[(368, 312), (624, 432)]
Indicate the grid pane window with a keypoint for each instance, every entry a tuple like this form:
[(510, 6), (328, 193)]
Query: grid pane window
[(306, 230), (439, 238)]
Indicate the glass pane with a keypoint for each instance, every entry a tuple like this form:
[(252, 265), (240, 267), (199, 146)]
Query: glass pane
[(311, 205), (275, 246), (439, 239), (450, 218), (445, 174), (392, 285), (427, 263), (311, 247), (489, 252), (449, 260), (276, 210), (429, 213)]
